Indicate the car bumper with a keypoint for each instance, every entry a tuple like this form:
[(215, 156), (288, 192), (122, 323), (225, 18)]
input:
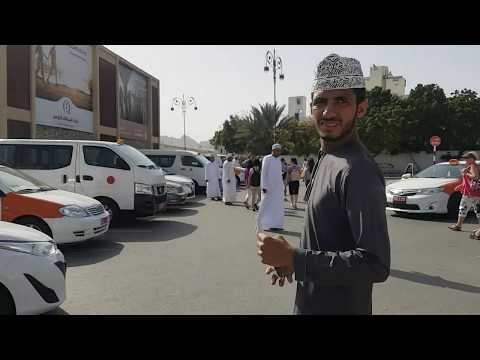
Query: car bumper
[(148, 205), (38, 287), (71, 230), (420, 204), (173, 198)]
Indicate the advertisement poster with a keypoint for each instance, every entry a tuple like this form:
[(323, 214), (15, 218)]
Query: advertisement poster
[(132, 96), (63, 75)]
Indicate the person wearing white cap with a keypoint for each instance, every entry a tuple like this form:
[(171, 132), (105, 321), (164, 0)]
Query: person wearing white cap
[(228, 181), (345, 247), (271, 212), (211, 177)]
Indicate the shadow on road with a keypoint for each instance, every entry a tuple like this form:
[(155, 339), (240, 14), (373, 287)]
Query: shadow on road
[(157, 230), (179, 212), (433, 281), (91, 252), (193, 204), (57, 311)]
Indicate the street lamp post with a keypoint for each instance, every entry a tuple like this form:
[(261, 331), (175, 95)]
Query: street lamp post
[(276, 63), (184, 103)]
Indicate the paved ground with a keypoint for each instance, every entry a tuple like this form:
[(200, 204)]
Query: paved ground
[(201, 259)]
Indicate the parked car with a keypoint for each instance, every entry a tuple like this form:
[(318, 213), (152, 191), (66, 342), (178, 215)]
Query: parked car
[(66, 217), (187, 183), (32, 271), (430, 191), (117, 175), (175, 193), (181, 162)]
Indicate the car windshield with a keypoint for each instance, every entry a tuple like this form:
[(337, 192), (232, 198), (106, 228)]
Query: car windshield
[(138, 158), (203, 160), (440, 171), (21, 183)]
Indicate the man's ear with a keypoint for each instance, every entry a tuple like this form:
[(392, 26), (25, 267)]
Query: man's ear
[(362, 108)]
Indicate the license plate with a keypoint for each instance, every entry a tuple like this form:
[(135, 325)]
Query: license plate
[(399, 199), (104, 221)]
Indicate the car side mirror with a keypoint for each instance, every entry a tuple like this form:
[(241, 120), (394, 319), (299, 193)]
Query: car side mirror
[(406, 176)]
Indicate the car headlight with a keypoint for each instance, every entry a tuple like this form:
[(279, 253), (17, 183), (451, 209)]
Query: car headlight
[(73, 211), (429, 191), (143, 189), (44, 248), (172, 189)]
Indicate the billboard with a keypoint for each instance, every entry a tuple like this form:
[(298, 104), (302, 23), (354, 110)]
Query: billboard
[(132, 96), (63, 76)]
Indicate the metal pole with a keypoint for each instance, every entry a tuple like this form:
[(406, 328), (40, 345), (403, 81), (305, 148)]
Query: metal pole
[(434, 155), (274, 93), (184, 110)]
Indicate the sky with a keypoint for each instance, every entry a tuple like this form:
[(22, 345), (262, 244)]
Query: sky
[(229, 79)]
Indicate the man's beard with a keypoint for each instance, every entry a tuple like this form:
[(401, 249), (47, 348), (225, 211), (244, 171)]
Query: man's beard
[(346, 132)]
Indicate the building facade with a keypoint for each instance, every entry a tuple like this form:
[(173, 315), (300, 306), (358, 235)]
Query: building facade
[(380, 76), (76, 92), (297, 107)]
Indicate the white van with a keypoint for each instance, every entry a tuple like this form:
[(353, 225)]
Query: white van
[(117, 175), (181, 162)]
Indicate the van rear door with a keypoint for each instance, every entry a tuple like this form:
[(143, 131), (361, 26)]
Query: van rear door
[(102, 172)]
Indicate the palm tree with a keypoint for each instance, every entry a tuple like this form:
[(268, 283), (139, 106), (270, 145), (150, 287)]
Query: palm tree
[(258, 127)]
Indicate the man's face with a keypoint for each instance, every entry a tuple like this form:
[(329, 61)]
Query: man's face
[(229, 159), (335, 112), (276, 152)]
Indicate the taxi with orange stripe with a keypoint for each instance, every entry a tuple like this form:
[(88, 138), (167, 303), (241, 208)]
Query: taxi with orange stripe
[(65, 216), (432, 190)]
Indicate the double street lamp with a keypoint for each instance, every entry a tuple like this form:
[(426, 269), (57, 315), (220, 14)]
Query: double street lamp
[(184, 103), (271, 59)]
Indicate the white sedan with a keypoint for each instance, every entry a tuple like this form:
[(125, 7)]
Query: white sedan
[(430, 191), (32, 271)]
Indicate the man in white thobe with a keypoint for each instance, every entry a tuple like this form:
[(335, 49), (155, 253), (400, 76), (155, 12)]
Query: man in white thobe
[(271, 213), (228, 181), (211, 177)]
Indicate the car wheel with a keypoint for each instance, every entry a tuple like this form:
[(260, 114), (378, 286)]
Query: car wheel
[(453, 204), (7, 305), (112, 208), (35, 223)]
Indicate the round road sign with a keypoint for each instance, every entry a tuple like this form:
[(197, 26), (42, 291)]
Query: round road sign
[(435, 140)]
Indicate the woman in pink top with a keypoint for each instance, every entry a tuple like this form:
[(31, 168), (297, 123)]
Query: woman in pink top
[(470, 193)]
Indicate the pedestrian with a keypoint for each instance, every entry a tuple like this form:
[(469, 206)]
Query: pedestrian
[(247, 165), (271, 212), (253, 184), (345, 247), (236, 167), (284, 177), (293, 176), (469, 189), (228, 181), (211, 177)]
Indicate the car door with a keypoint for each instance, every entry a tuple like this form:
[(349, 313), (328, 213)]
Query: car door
[(193, 168), (102, 172)]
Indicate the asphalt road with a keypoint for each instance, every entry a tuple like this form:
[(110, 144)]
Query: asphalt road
[(201, 259)]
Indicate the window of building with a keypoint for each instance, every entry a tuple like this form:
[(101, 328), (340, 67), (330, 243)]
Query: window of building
[(103, 157), (18, 76), (299, 101), (18, 129)]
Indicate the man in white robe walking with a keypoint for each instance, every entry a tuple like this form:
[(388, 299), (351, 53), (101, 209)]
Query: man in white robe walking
[(229, 181), (271, 213), (211, 177)]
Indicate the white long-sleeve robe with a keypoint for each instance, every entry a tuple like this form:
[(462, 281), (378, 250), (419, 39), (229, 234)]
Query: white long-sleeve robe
[(271, 213), (211, 175), (229, 188)]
